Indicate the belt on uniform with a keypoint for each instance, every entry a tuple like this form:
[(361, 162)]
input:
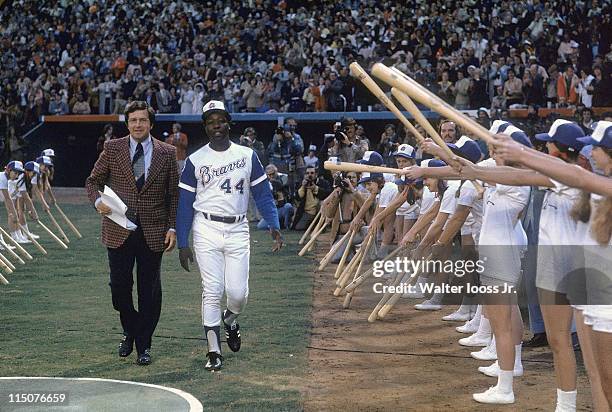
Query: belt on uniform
[(223, 219)]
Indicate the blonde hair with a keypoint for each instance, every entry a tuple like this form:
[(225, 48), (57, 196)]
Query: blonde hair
[(601, 226)]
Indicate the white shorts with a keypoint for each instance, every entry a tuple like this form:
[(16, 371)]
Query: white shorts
[(222, 251), (599, 317)]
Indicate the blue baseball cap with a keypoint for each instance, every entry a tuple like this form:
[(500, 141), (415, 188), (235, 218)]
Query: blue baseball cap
[(371, 158), (15, 165), (44, 160), (467, 148), (366, 177), (601, 136), (405, 150), (432, 163), (564, 132), (498, 126), (32, 167), (518, 135), (405, 181)]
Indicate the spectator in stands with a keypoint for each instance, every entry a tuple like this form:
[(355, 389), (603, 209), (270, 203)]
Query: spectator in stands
[(179, 140), (81, 106), (513, 89), (566, 87), (461, 90), (332, 92), (599, 88), (57, 106), (107, 134), (187, 95)]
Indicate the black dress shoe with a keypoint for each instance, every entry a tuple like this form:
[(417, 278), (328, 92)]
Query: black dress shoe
[(144, 358), (126, 346), (537, 341)]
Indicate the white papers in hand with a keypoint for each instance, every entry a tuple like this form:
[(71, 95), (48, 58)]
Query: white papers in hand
[(118, 208)]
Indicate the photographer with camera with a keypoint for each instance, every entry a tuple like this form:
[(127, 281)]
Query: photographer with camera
[(280, 192), (283, 151), (311, 191), (249, 139), (345, 146), (389, 142)]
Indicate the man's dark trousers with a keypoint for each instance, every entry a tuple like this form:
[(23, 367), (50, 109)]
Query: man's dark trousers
[(139, 323)]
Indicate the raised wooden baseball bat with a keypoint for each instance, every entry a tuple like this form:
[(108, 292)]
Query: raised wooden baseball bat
[(3, 280), (358, 281), (328, 257), (345, 254), (20, 249), (68, 222), (358, 72), (57, 226), (5, 267), (7, 262), (11, 252), (349, 296), (57, 239), (427, 98), (422, 120), (34, 241), (359, 168), (313, 239), (311, 226), (409, 278)]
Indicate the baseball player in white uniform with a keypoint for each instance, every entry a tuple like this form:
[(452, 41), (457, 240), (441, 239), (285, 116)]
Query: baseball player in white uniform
[(214, 195)]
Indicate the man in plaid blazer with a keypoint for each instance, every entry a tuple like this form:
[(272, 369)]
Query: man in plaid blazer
[(141, 170)]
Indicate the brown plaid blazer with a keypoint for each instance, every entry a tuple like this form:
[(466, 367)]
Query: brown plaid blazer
[(156, 203)]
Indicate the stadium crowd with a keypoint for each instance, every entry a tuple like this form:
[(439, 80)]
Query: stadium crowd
[(93, 57)]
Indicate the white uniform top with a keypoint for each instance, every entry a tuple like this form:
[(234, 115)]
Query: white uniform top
[(598, 313), (427, 200), (557, 235), (3, 181), (556, 225), (387, 193), (223, 179), (449, 200), (409, 211), (468, 196), (502, 238)]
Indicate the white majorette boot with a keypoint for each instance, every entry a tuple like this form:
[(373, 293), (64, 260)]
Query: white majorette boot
[(464, 313), (471, 326), (431, 304), (500, 394), (493, 370), (482, 337), (487, 353)]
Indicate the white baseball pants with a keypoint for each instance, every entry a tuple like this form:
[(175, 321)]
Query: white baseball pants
[(222, 251)]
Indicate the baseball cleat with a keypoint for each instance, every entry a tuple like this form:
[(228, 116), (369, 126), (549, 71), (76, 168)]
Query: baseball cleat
[(232, 335), (494, 395), (144, 358), (457, 316), (493, 370), (215, 361)]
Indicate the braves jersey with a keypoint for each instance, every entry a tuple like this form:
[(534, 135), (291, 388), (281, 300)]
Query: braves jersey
[(222, 180), (219, 183)]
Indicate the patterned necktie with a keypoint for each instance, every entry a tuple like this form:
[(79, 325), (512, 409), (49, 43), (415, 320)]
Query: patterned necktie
[(138, 165)]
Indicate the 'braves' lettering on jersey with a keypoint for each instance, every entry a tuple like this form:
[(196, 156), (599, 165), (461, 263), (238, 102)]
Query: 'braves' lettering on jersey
[(222, 180)]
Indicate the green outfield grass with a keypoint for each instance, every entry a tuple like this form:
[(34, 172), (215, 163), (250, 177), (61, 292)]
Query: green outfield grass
[(57, 320)]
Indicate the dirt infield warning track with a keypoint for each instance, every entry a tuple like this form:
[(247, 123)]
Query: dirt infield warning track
[(411, 361)]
